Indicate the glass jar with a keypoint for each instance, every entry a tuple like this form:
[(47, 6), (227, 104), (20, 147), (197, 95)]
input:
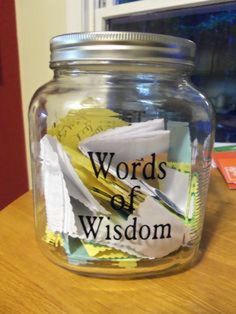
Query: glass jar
[(121, 150)]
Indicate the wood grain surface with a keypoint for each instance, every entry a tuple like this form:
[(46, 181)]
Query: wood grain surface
[(29, 283)]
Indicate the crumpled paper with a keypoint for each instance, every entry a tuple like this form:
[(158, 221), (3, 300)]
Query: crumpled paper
[(68, 193), (129, 142)]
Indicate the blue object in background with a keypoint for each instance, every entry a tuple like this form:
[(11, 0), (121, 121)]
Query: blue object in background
[(125, 1)]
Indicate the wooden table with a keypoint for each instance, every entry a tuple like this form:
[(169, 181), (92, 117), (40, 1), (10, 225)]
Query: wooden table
[(29, 283)]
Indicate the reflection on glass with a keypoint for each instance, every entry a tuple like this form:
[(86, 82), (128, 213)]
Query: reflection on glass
[(213, 29)]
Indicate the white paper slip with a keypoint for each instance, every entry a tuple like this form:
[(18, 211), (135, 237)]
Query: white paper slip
[(59, 183), (75, 186), (175, 186), (57, 199), (129, 142), (162, 231), (136, 127)]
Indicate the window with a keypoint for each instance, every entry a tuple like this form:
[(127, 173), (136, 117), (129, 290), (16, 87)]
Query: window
[(211, 26)]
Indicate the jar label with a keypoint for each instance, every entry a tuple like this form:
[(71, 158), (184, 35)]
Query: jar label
[(115, 189)]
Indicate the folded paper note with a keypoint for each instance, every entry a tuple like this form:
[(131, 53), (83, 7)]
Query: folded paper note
[(130, 142), (151, 225), (175, 186), (56, 194), (116, 215)]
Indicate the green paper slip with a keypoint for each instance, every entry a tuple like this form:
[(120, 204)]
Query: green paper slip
[(225, 148)]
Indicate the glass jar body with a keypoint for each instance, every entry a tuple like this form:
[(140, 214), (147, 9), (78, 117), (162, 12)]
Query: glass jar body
[(120, 166)]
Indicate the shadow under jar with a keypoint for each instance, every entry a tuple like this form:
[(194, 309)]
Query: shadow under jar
[(121, 150)]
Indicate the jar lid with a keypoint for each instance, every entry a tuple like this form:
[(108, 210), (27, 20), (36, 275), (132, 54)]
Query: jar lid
[(121, 46)]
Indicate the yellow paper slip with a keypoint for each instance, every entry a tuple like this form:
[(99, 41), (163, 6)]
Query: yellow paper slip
[(52, 238), (127, 264), (102, 251), (83, 123)]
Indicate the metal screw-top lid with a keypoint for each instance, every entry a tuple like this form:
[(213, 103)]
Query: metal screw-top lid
[(121, 46)]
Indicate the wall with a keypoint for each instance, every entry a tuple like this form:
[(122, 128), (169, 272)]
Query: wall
[(13, 174), (37, 22)]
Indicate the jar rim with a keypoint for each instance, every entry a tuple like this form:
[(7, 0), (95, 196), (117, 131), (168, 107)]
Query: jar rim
[(122, 46)]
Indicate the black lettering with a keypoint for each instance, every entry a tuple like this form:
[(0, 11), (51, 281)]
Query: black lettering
[(147, 233), (117, 232), (162, 170), (131, 228), (132, 195), (135, 165), (101, 163), (149, 164), (108, 237), (91, 225), (125, 173), (116, 204), (162, 228)]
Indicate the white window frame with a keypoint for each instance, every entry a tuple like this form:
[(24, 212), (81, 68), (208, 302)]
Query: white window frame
[(86, 15), (141, 7), (80, 15)]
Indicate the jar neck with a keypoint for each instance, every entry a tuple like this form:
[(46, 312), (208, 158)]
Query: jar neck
[(167, 71)]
